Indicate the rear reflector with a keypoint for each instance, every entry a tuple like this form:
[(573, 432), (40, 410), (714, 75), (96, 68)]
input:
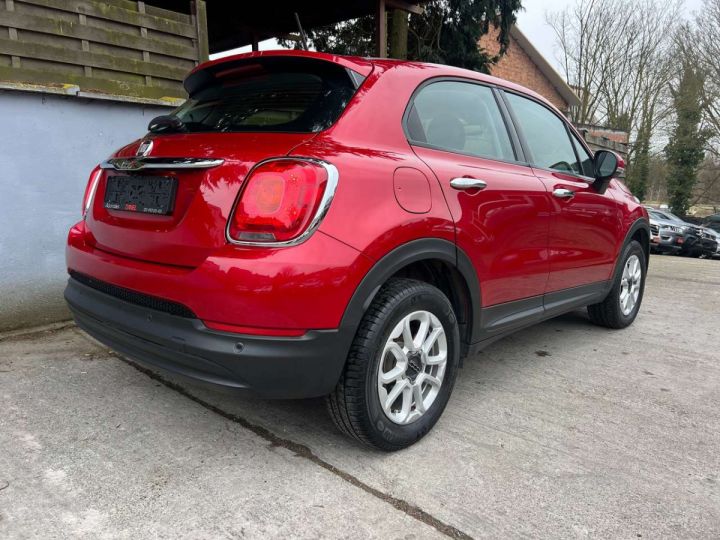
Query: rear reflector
[(255, 331), (282, 200)]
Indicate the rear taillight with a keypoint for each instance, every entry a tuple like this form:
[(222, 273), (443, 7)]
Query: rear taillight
[(282, 201), (90, 190)]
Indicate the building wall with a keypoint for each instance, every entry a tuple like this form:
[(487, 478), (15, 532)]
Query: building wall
[(48, 146), (517, 67)]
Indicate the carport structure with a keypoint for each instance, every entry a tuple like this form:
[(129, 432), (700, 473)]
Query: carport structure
[(235, 24), (143, 49)]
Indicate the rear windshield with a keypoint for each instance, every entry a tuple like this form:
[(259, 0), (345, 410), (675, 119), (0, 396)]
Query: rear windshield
[(275, 95)]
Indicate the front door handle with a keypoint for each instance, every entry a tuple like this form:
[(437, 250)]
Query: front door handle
[(564, 193), (467, 183)]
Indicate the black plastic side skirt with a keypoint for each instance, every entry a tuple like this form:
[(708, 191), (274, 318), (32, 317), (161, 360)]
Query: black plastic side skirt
[(504, 319)]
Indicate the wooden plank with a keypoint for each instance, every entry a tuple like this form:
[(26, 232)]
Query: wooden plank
[(95, 34), (167, 14), (159, 12), (89, 58), (105, 10), (202, 31), (91, 84)]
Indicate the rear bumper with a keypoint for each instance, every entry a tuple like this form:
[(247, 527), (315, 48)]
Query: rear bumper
[(272, 367)]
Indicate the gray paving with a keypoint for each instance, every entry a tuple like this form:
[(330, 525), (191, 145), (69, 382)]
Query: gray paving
[(562, 430)]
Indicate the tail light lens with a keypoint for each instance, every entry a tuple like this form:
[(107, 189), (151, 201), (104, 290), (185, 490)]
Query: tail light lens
[(90, 190), (281, 200)]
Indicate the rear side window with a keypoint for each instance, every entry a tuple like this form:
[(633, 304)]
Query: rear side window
[(277, 95), (545, 134), (459, 117)]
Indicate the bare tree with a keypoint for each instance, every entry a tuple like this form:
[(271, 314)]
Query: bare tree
[(617, 54), (706, 37), (587, 33)]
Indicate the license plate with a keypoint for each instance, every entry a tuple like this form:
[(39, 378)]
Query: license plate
[(145, 194)]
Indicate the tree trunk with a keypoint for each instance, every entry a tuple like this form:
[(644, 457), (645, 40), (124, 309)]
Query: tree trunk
[(399, 34)]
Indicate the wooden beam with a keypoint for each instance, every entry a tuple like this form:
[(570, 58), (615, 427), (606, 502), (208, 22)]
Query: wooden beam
[(201, 26), (405, 6), (381, 29)]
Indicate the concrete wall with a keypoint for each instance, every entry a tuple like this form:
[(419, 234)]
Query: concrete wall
[(48, 146)]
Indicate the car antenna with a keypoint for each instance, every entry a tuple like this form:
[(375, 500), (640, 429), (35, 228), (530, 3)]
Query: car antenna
[(303, 35)]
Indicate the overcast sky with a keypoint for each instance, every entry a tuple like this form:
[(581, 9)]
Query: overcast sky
[(531, 20)]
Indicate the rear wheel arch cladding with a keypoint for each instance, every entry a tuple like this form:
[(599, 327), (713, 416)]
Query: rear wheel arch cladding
[(412, 190), (402, 256)]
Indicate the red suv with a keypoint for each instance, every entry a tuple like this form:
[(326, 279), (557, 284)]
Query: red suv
[(315, 225)]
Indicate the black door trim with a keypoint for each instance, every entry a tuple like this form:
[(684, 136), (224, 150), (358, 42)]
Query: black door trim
[(500, 320)]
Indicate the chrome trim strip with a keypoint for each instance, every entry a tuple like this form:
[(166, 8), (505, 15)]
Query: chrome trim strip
[(139, 163), (332, 182)]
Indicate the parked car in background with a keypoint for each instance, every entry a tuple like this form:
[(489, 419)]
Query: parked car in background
[(692, 245), (666, 236), (712, 222), (709, 243), (715, 235), (312, 225)]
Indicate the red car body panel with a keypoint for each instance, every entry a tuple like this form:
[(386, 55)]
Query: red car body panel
[(203, 201), (307, 287), (503, 228), (522, 242)]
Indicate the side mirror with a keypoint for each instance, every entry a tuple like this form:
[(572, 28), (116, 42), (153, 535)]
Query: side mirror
[(606, 165)]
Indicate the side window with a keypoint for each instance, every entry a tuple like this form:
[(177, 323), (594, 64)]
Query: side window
[(546, 135), (586, 161), (460, 117)]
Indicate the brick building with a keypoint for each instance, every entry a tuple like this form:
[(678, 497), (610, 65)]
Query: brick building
[(523, 64)]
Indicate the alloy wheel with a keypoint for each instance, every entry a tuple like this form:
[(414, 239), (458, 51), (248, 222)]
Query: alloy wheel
[(630, 284), (412, 367)]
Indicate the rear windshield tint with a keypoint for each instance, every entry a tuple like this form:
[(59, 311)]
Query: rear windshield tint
[(274, 95)]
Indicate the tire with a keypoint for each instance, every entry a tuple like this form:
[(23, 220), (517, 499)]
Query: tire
[(355, 404), (609, 312)]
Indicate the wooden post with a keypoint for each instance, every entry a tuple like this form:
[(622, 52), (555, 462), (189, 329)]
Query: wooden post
[(200, 14), (399, 34), (381, 29), (12, 34), (144, 34)]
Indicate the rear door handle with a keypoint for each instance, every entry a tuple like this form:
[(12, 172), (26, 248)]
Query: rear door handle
[(467, 183), (564, 193)]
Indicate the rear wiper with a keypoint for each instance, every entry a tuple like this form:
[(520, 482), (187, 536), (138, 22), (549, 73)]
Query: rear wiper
[(167, 124)]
